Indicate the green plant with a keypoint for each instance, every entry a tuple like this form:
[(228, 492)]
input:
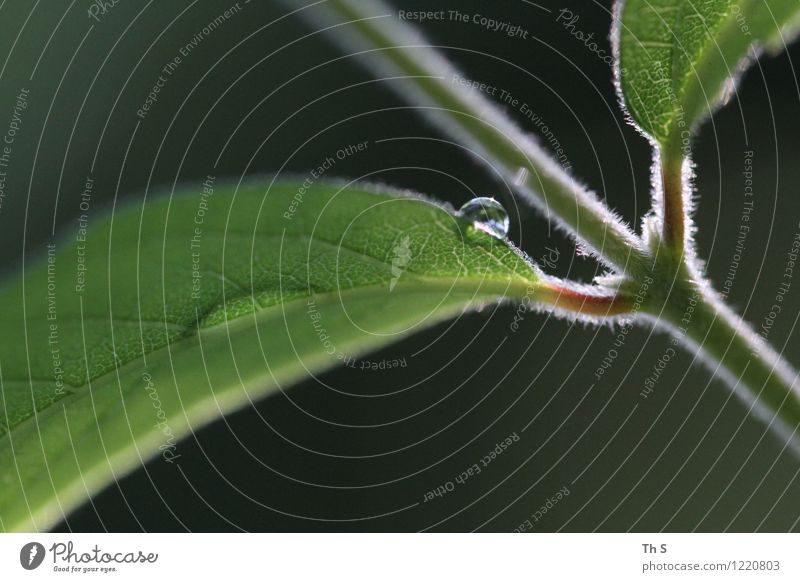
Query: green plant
[(195, 304)]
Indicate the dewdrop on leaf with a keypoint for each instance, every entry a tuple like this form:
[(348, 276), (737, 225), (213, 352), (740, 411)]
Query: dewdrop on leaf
[(486, 214)]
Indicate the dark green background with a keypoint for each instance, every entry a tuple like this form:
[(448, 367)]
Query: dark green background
[(689, 457)]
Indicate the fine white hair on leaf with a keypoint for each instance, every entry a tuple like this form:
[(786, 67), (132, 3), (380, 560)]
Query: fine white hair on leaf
[(688, 198)]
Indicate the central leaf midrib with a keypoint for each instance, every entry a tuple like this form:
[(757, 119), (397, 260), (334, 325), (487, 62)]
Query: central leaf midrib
[(229, 327)]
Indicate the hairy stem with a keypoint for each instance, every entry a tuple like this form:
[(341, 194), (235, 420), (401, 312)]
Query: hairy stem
[(394, 50), (591, 301), (674, 211), (736, 354)]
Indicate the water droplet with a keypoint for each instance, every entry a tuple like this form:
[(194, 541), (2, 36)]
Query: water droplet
[(486, 214)]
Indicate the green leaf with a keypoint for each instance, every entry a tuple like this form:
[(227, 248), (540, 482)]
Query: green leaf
[(151, 321), (677, 56)]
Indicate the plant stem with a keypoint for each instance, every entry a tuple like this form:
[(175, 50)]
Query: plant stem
[(674, 210), (393, 49), (592, 301), (737, 354)]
